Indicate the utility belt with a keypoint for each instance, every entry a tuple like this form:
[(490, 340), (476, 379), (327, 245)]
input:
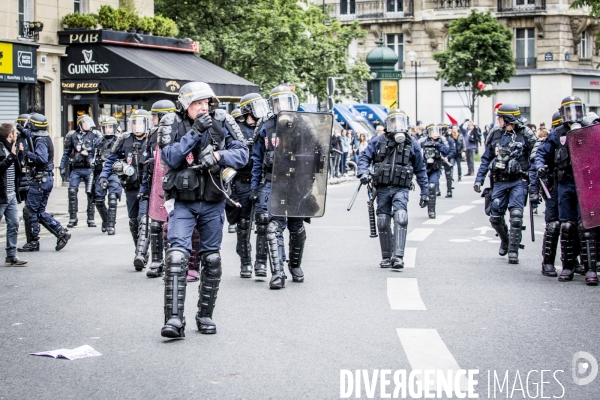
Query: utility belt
[(193, 185), (243, 178), (508, 177), (42, 176), (79, 161)]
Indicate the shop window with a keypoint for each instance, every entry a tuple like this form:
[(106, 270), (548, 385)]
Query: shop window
[(396, 43), (584, 45), (33, 98), (525, 48)]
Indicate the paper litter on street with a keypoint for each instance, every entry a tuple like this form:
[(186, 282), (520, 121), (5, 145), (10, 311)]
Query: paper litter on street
[(84, 351)]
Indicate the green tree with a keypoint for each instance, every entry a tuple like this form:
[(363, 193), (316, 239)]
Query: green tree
[(270, 41), (479, 50)]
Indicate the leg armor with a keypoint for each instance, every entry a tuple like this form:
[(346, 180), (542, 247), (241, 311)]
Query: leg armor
[(297, 240), (568, 239), (103, 212), (437, 189), (112, 213), (551, 236), (432, 196), (385, 239), (209, 286), (194, 262), (448, 172), (502, 232), (588, 255), (175, 285), (262, 250), (278, 276), (33, 243), (90, 212), (244, 249), (134, 227), (514, 235), (143, 242), (72, 207), (400, 231), (62, 234), (156, 242)]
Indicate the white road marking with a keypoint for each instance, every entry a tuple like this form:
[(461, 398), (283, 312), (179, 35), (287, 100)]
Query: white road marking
[(419, 234), (460, 210), (403, 294), (426, 350), (460, 240), (439, 219), (483, 230), (466, 183), (410, 257), (480, 201)]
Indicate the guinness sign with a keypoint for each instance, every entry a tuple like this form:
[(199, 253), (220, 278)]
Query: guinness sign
[(87, 64)]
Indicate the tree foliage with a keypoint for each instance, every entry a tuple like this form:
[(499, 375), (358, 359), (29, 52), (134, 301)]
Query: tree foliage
[(270, 41), (479, 50), (595, 4)]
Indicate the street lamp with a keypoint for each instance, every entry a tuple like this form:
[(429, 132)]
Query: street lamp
[(412, 57)]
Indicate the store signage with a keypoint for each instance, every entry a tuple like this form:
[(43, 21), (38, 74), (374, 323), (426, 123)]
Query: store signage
[(548, 57), (87, 65), (18, 63), (80, 85), (84, 38)]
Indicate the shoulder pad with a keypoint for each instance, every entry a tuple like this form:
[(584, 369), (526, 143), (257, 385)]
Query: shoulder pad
[(234, 128), (118, 142), (168, 119), (165, 132), (41, 133), (68, 136), (422, 140), (444, 140), (220, 114)]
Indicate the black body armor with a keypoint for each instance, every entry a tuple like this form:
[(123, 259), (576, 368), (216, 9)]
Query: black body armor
[(511, 161), (392, 163), (81, 146), (103, 151), (432, 156), (132, 152), (267, 167), (563, 170)]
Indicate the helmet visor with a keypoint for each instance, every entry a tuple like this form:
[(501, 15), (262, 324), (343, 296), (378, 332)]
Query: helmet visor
[(260, 108), (434, 132), (108, 129), (396, 123), (86, 124), (139, 124), (573, 112), (284, 102), (195, 91)]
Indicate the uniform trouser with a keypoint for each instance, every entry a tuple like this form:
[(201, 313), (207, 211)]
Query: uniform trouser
[(114, 187), (569, 216), (568, 206), (263, 207), (459, 166), (10, 211), (37, 200), (207, 217), (241, 192), (194, 260), (470, 161), (392, 201), (510, 195), (552, 230), (551, 211), (448, 171), (434, 182), (77, 176)]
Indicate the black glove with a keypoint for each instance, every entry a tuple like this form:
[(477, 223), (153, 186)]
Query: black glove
[(477, 187), (365, 179), (103, 183), (253, 195), (63, 174), (208, 161), (202, 123), (20, 128), (249, 142), (424, 201), (150, 166), (534, 198), (543, 172)]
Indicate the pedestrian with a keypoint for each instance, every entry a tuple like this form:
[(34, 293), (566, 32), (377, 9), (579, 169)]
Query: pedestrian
[(472, 138), (355, 143), (345, 140), (450, 158), (336, 152), (533, 128), (10, 173), (379, 130), (460, 149), (362, 143)]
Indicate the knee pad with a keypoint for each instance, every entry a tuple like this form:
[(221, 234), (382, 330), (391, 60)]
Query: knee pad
[(516, 217), (401, 217), (273, 229), (112, 200), (99, 202), (432, 187), (568, 228), (244, 223), (27, 213), (72, 193), (496, 220), (553, 227), (211, 264), (586, 234), (155, 227), (176, 260), (262, 218), (383, 222)]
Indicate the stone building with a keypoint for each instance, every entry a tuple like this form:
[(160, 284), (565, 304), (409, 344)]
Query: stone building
[(555, 50)]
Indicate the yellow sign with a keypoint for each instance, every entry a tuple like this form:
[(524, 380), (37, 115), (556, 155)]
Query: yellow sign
[(6, 58), (389, 94)]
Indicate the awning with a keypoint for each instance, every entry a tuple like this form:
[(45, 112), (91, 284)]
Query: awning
[(115, 70)]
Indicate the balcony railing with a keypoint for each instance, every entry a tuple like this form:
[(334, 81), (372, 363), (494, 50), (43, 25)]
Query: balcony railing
[(521, 5), (352, 9), (525, 63), (30, 30), (452, 4)]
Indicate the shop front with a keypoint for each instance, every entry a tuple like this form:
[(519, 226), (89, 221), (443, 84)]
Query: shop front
[(109, 73), (19, 89)]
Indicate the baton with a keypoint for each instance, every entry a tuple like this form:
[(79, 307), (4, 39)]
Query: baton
[(371, 194), (545, 189), (354, 197), (531, 221), (249, 236)]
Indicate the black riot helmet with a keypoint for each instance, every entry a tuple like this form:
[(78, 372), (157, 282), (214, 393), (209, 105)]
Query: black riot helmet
[(283, 99), (572, 109), (237, 115), (396, 125), (509, 113), (139, 122), (162, 107), (85, 123), (109, 126), (433, 131), (22, 119), (443, 128), (255, 105), (37, 122), (194, 91), (556, 119)]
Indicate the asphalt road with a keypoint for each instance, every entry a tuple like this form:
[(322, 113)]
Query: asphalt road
[(457, 305)]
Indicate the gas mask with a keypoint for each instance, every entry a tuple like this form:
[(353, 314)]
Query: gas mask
[(400, 137)]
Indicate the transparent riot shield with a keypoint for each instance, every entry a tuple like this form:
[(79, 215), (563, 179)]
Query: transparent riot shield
[(299, 183), (156, 206), (584, 150)]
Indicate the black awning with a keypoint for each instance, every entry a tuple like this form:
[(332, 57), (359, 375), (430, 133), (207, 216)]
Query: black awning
[(123, 70)]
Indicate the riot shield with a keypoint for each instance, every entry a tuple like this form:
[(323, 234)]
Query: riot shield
[(301, 158), (156, 207), (584, 148)]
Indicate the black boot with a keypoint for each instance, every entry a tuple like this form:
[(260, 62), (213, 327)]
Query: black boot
[(277, 274), (385, 240), (297, 240), (103, 212), (400, 232), (90, 212), (208, 289), (568, 238), (437, 189), (244, 249), (175, 285), (134, 227), (449, 183), (588, 255), (502, 232), (262, 250), (62, 238), (141, 250), (156, 266), (112, 213), (32, 242), (551, 236), (72, 193), (432, 198), (514, 235)]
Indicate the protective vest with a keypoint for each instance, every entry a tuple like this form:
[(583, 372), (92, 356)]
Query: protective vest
[(49, 166), (432, 155), (391, 163), (511, 161), (130, 151), (81, 147), (245, 173), (103, 150), (563, 169), (270, 129), (188, 182)]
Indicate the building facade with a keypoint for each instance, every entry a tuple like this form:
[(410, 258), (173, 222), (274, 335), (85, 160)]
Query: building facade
[(554, 46)]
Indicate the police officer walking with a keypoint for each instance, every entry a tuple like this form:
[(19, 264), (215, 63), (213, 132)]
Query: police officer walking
[(79, 146), (435, 149), (450, 159), (196, 147), (506, 157), (396, 157), (40, 160)]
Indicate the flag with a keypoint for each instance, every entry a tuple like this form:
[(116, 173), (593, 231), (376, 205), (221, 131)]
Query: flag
[(452, 120)]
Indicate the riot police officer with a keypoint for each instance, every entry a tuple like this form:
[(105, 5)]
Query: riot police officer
[(554, 155), (40, 160), (396, 158), (281, 99), (506, 157), (252, 108), (126, 161), (196, 147), (450, 159), (112, 185), (27, 144), (79, 146), (435, 149)]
